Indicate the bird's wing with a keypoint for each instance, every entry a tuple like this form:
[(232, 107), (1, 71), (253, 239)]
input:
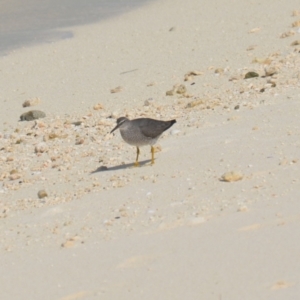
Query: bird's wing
[(153, 128)]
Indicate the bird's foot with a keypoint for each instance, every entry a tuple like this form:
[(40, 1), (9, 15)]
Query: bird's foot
[(136, 164)]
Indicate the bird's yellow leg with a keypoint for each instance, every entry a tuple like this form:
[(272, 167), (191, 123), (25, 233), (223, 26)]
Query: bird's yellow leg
[(136, 164), (152, 155)]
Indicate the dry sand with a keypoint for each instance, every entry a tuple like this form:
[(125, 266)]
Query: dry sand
[(175, 230)]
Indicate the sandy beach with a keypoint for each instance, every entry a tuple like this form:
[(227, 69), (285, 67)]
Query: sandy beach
[(216, 217)]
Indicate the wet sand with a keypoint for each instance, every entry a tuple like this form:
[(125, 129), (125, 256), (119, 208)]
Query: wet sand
[(35, 22), (182, 228)]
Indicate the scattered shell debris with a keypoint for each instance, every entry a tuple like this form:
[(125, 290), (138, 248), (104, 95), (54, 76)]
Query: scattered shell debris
[(32, 115), (195, 103), (70, 242), (296, 24), (67, 153), (254, 30), (287, 34), (263, 61), (178, 89), (190, 75), (296, 13)]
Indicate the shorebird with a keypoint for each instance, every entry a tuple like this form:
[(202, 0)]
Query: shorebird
[(142, 132)]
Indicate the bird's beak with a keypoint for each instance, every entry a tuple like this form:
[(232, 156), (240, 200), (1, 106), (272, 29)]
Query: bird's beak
[(115, 128)]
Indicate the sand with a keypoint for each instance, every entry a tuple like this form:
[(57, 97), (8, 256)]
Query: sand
[(178, 229)]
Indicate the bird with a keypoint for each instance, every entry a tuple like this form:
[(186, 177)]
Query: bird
[(141, 132)]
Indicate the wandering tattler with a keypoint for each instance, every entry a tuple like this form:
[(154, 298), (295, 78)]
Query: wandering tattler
[(142, 132)]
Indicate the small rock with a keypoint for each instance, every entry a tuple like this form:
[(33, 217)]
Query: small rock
[(295, 43), (151, 83), (270, 71), (190, 75), (251, 75), (296, 13), (118, 89), (263, 61), (287, 34), (98, 106), (296, 24), (14, 176), (31, 102), (219, 71), (243, 208), (32, 115), (251, 47), (181, 89), (231, 176), (254, 30), (77, 123), (170, 92), (79, 141), (194, 103), (42, 194), (70, 242), (148, 102)]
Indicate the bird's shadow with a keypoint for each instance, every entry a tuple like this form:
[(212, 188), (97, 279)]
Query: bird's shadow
[(120, 167)]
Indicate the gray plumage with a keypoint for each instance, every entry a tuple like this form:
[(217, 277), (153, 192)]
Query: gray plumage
[(142, 132)]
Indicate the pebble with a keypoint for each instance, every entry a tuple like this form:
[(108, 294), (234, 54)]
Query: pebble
[(194, 103), (287, 34), (231, 176), (31, 102), (32, 115), (296, 13), (270, 71), (190, 75), (118, 89), (42, 194), (219, 71), (296, 24), (251, 75), (181, 89), (149, 102), (243, 209), (70, 242), (295, 43), (254, 30), (98, 106)]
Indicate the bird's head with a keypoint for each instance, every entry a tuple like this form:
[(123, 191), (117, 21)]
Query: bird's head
[(120, 121)]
